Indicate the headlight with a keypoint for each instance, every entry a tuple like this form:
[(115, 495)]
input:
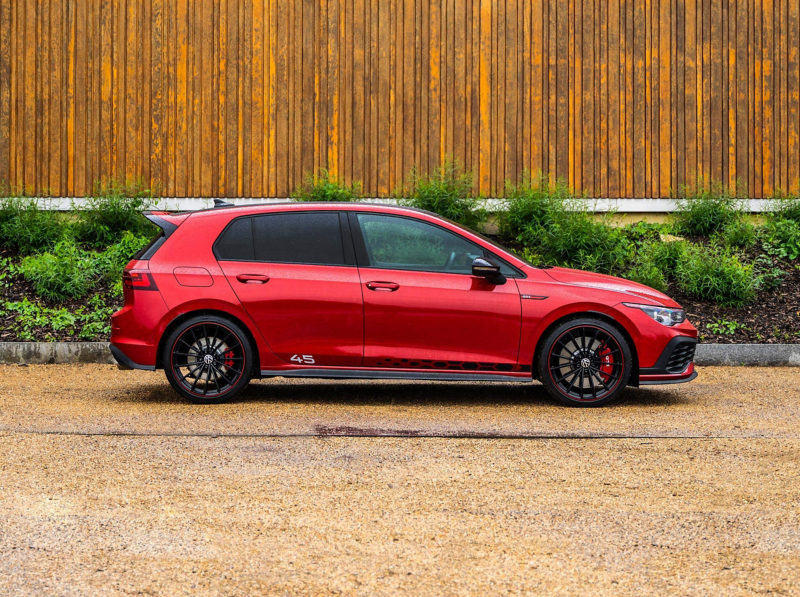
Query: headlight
[(662, 315)]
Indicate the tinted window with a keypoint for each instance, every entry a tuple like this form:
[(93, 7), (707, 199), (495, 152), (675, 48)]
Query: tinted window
[(236, 242), (310, 237), (402, 243)]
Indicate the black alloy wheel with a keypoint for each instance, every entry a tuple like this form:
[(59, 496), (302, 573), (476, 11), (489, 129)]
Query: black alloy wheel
[(585, 362), (208, 359)]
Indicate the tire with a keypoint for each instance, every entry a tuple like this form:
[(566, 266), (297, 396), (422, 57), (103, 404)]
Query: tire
[(208, 359), (585, 362)]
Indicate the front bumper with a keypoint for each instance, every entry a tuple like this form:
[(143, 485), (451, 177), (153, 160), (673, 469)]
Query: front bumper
[(674, 365)]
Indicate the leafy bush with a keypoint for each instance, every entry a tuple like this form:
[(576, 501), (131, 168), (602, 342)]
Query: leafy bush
[(647, 272), (67, 272), (666, 254), (110, 263), (114, 208), (713, 273), (781, 238), (27, 227), (549, 220), (447, 192), (30, 319), (325, 187), (705, 209), (739, 233), (785, 208)]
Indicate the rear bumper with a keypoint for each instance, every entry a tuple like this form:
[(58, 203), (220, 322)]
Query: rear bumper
[(125, 363)]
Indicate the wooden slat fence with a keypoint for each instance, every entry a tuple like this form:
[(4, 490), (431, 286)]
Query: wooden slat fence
[(621, 98)]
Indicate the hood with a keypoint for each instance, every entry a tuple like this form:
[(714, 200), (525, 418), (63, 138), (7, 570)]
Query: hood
[(575, 277)]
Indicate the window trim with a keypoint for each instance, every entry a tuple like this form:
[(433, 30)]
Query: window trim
[(345, 234), (362, 255)]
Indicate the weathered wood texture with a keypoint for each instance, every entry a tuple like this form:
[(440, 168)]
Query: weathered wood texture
[(621, 98)]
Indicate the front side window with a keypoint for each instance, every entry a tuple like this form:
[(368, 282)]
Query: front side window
[(403, 243)]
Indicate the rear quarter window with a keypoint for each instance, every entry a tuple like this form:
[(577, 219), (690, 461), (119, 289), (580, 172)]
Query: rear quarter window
[(236, 241)]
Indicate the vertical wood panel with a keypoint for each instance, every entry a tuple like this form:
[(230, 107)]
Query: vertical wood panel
[(246, 97)]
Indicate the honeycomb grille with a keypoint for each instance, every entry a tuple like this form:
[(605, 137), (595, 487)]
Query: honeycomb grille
[(681, 356)]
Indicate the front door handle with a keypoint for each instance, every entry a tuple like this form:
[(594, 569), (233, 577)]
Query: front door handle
[(383, 286), (252, 279)]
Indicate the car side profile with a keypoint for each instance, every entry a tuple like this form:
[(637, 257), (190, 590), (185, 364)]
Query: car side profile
[(354, 290)]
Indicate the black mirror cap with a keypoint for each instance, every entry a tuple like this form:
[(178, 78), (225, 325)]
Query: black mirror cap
[(486, 268)]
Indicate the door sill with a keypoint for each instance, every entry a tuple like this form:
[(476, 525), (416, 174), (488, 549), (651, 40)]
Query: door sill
[(390, 374)]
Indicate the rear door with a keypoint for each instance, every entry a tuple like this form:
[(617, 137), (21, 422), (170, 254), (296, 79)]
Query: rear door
[(295, 274)]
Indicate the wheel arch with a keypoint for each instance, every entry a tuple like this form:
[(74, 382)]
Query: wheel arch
[(634, 380), (217, 313)]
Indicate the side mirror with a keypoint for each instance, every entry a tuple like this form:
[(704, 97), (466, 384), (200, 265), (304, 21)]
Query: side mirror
[(486, 268)]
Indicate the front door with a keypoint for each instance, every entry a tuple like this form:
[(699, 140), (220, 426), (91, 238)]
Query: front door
[(297, 285), (423, 308)]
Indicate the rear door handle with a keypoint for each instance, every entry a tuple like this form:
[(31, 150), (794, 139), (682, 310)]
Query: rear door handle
[(252, 279), (383, 286)]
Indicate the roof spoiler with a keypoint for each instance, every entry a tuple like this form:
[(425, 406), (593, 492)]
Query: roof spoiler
[(166, 221)]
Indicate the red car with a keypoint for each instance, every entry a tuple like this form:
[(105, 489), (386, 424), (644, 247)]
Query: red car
[(381, 292)]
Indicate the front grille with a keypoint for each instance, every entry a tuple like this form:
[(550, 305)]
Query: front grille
[(681, 356)]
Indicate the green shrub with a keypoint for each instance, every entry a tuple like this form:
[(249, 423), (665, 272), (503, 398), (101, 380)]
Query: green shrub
[(739, 234), (705, 209), (67, 272), (32, 321), (447, 192), (110, 263), (114, 208), (713, 273), (530, 205), (548, 220), (325, 187), (666, 255), (781, 238), (27, 227), (785, 208), (646, 271)]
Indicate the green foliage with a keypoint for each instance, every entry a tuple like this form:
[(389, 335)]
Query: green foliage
[(666, 255), (27, 227), (66, 272), (447, 192), (714, 273), (33, 320), (781, 238), (785, 208), (114, 208), (648, 273), (705, 209), (110, 263), (550, 221), (725, 327), (739, 233), (325, 187)]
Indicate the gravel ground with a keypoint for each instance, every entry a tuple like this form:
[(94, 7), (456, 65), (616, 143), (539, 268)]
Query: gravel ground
[(111, 484)]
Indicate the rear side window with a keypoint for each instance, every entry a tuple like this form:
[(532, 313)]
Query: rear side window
[(308, 237), (236, 242)]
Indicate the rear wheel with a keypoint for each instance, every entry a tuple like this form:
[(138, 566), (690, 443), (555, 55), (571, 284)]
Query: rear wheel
[(208, 359), (585, 362)]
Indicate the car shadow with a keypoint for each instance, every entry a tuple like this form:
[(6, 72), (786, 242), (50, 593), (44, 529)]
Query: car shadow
[(358, 393)]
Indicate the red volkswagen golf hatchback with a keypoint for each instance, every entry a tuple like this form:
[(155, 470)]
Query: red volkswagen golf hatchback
[(327, 290)]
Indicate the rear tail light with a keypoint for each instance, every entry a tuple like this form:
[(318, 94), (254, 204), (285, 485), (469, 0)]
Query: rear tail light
[(136, 279)]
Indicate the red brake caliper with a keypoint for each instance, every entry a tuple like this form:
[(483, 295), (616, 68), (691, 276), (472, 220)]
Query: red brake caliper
[(229, 359), (606, 360)]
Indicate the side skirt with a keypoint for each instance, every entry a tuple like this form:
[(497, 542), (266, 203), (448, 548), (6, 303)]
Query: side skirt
[(370, 374)]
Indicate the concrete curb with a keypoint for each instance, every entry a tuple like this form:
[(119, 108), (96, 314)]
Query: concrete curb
[(45, 353)]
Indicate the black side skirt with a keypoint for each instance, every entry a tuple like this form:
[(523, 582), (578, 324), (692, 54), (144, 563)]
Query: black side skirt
[(371, 374)]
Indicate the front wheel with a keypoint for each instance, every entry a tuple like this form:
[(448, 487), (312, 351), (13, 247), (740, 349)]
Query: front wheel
[(585, 362), (208, 359)]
